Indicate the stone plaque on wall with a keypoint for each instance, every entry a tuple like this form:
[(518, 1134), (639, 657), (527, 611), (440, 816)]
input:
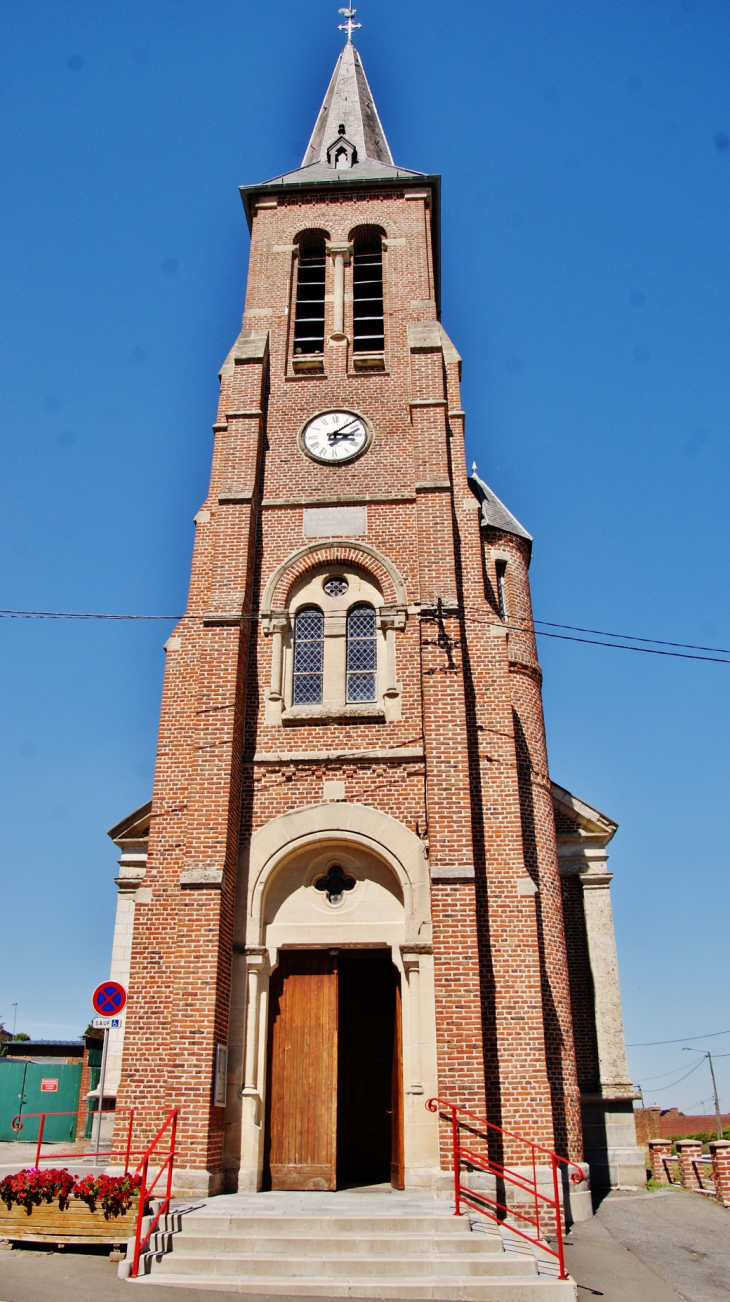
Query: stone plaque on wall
[(335, 521)]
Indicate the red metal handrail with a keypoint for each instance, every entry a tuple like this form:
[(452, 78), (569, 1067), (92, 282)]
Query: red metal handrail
[(146, 1189), (82, 1114), (481, 1200)]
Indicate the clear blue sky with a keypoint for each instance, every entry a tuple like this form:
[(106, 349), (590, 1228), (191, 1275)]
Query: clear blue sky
[(585, 151)]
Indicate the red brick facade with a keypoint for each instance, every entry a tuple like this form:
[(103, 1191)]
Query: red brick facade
[(477, 793)]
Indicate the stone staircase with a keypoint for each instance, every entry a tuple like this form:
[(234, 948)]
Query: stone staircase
[(353, 1244)]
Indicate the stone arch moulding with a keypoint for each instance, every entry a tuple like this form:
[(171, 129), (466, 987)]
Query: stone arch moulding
[(384, 836), (333, 553)]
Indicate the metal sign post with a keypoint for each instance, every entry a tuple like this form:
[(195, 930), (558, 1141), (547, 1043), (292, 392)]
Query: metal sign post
[(100, 1106), (108, 999)]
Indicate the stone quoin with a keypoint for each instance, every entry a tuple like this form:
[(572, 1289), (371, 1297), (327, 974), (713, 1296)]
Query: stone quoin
[(355, 874)]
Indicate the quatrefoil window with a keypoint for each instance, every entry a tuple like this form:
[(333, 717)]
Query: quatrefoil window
[(335, 883)]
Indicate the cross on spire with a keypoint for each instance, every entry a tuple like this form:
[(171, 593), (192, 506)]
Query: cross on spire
[(349, 26)]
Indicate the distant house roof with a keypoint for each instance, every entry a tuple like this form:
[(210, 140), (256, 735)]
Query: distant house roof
[(43, 1048)]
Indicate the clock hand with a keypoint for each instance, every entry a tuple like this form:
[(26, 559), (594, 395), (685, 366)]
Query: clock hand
[(339, 435), (337, 432)]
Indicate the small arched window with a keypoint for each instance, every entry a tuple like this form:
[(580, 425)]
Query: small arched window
[(367, 288), (501, 568), (362, 655), (308, 657), (309, 314)]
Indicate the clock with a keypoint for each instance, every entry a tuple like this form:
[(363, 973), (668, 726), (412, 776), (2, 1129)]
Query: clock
[(335, 436)]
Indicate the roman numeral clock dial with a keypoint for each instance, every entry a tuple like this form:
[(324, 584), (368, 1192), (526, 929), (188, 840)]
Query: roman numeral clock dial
[(335, 436)]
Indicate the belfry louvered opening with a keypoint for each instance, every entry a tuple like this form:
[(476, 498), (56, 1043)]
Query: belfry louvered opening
[(308, 657), (367, 290), (309, 313)]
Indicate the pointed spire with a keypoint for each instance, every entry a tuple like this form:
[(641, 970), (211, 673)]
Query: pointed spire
[(348, 119)]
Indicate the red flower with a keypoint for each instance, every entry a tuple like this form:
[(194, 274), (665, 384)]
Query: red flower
[(30, 1187), (113, 1192)]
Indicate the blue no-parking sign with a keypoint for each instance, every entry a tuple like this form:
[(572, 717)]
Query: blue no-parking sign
[(109, 999)]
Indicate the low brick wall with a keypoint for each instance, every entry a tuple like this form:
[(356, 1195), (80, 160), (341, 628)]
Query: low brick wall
[(652, 1123)]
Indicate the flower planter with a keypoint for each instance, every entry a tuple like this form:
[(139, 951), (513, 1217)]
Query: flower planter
[(71, 1223)]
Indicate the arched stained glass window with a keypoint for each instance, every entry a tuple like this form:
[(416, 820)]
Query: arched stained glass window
[(362, 655), (308, 657)]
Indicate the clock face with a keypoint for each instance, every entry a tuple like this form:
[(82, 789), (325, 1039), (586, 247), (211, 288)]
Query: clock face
[(335, 436)]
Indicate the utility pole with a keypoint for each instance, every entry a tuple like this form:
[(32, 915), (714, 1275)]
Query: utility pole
[(718, 1115)]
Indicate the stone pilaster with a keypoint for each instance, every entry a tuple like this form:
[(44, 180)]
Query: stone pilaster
[(608, 1096)]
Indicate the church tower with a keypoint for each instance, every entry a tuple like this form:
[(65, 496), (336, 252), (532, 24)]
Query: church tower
[(351, 900)]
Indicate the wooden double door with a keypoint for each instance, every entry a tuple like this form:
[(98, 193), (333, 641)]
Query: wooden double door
[(334, 1113)]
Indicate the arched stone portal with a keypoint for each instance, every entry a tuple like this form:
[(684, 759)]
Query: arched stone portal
[(279, 908)]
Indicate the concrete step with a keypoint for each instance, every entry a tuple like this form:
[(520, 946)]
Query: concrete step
[(326, 1266), (226, 1223), (300, 1245), (420, 1253), (518, 1289)]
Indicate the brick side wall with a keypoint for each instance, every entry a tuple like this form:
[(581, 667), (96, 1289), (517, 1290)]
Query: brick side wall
[(581, 985)]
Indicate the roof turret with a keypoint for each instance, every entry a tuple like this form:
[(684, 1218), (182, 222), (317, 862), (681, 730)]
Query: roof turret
[(494, 512)]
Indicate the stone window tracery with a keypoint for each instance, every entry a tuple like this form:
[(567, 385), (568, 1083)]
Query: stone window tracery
[(333, 652)]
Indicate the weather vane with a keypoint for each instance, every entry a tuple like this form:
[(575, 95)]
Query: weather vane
[(349, 26)]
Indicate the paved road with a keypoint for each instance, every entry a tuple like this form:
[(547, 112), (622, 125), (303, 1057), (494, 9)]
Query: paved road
[(659, 1247), (13, 1157)]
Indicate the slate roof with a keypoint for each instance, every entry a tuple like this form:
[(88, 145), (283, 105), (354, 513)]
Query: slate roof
[(494, 512), (348, 103), (319, 173)]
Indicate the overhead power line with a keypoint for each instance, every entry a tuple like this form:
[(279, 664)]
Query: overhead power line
[(646, 1044), (634, 637), (663, 1075), (663, 1088), (73, 614), (470, 618), (622, 646)]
